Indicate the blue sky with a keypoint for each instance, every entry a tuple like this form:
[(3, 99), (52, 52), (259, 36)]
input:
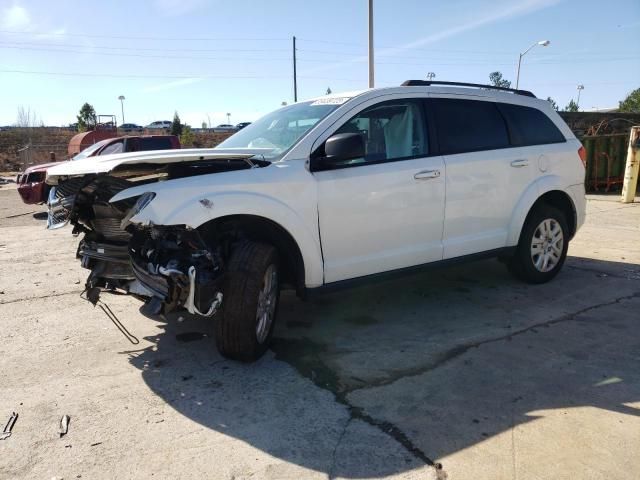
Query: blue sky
[(206, 58)]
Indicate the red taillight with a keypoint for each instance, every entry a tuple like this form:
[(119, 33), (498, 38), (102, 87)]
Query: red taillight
[(582, 153)]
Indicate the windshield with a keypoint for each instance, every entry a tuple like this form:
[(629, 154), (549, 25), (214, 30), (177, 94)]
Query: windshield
[(281, 129), (90, 150)]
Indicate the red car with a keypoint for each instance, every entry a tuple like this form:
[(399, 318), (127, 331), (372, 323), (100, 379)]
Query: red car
[(31, 183)]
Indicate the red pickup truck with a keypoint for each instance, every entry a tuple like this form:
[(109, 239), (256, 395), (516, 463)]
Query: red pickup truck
[(31, 183)]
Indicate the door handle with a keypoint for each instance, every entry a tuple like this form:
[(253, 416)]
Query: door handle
[(520, 163), (427, 174)]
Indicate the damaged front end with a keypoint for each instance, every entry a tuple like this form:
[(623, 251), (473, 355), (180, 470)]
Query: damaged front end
[(80, 195), (84, 203), (178, 269)]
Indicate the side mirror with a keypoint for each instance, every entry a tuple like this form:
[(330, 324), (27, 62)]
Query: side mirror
[(339, 148), (344, 146)]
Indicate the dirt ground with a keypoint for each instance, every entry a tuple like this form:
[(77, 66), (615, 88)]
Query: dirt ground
[(492, 378)]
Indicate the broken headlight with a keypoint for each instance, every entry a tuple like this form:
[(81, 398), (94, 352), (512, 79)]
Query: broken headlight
[(142, 202)]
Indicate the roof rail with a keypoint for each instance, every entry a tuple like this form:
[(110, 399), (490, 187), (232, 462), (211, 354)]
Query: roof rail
[(427, 83)]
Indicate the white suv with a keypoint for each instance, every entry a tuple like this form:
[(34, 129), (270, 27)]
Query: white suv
[(323, 192)]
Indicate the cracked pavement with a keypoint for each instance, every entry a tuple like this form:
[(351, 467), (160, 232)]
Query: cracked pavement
[(463, 367)]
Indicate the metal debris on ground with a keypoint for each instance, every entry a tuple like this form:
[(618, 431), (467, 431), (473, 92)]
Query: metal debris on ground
[(6, 433), (64, 425)]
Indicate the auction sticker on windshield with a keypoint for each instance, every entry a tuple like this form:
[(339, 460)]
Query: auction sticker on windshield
[(330, 101)]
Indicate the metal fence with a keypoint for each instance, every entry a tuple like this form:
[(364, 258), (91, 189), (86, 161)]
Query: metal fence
[(36, 154), (606, 158)]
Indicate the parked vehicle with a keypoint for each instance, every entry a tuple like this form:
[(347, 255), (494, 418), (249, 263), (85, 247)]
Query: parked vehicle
[(241, 125), (31, 183), (159, 125), (327, 192), (225, 127), (131, 127)]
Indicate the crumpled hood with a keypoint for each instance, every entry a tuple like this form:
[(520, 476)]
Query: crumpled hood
[(107, 163)]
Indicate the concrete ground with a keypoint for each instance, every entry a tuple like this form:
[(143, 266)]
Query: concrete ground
[(466, 367)]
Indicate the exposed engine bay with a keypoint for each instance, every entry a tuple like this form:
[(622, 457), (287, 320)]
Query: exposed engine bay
[(178, 269), (168, 267)]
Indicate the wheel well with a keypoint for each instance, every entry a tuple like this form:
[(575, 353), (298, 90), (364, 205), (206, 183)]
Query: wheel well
[(235, 228), (562, 202)]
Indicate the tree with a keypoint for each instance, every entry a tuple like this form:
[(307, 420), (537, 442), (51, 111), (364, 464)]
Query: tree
[(87, 118), (571, 107), (187, 137), (27, 118), (497, 81), (176, 126), (553, 103), (328, 91), (631, 104)]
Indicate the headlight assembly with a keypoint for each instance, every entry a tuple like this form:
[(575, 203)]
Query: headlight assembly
[(142, 202)]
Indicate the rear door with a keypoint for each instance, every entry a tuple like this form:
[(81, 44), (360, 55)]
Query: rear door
[(485, 176), (384, 211)]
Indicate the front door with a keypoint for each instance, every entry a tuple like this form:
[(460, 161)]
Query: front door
[(384, 211)]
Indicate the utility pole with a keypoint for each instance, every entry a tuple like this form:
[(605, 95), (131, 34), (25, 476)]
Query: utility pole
[(371, 71), (295, 76)]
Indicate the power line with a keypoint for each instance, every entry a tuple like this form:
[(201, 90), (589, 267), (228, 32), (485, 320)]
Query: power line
[(168, 76), (132, 37), (181, 50), (139, 55)]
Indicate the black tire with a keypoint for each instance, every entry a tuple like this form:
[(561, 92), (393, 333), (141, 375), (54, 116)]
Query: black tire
[(522, 264), (235, 329)]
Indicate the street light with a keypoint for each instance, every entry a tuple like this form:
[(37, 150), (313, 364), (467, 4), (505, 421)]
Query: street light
[(121, 98), (229, 118), (580, 87), (542, 43), (431, 76)]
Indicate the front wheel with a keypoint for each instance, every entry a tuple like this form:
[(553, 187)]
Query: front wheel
[(542, 248), (251, 293)]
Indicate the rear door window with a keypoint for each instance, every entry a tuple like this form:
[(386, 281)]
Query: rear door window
[(468, 125), (530, 126)]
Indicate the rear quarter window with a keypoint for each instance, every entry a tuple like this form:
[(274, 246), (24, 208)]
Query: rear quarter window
[(530, 126), (468, 125)]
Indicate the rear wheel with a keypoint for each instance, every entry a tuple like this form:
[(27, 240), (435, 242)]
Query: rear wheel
[(250, 302), (542, 248)]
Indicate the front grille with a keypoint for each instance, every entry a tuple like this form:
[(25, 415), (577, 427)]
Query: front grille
[(59, 209)]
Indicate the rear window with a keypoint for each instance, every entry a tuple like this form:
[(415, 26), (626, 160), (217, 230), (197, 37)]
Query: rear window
[(530, 126), (468, 125), (159, 143)]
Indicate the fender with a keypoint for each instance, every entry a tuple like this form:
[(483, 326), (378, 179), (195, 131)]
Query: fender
[(196, 210), (538, 188)]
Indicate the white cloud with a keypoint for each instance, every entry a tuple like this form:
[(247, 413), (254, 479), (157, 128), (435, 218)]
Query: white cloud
[(496, 15), (16, 18), (170, 85), (178, 7)]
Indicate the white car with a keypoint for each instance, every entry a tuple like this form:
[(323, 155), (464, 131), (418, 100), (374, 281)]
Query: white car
[(325, 192), (159, 125)]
